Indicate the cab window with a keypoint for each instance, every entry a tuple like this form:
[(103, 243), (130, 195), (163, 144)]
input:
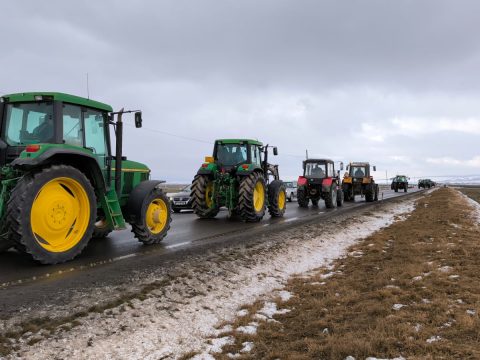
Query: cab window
[(72, 125)]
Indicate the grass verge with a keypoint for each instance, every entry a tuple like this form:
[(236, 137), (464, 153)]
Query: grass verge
[(411, 290)]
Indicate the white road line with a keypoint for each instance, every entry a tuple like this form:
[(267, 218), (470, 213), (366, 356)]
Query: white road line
[(177, 245), (265, 225), (321, 212), (124, 257), (291, 219)]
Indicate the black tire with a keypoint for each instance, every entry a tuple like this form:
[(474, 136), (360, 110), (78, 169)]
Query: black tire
[(331, 197), (19, 212), (370, 193), (176, 211), (277, 206), (396, 188), (405, 188), (141, 229), (199, 198), (302, 198), (340, 197), (246, 206), (376, 192), (348, 193), (101, 229), (315, 202)]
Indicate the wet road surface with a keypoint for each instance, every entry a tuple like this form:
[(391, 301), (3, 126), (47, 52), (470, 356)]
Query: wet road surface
[(186, 230)]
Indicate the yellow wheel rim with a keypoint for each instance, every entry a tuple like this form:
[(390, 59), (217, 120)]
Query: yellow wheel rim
[(208, 194), (281, 200), (157, 215), (60, 214), (258, 196)]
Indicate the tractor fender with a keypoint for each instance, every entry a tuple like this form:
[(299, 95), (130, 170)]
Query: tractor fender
[(82, 161), (133, 209), (204, 172)]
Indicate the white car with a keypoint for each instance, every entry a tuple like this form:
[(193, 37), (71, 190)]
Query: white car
[(291, 190)]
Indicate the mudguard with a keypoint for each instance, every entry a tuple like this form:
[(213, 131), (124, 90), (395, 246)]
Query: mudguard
[(133, 209)]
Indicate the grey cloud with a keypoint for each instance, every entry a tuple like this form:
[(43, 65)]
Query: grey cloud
[(300, 74)]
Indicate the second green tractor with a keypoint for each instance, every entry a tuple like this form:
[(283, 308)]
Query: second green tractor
[(239, 177)]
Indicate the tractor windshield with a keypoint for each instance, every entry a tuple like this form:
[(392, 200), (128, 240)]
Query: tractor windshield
[(315, 170), (231, 154), (28, 123), (358, 171)]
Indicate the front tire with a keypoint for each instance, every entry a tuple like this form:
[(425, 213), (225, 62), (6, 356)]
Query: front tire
[(252, 197), (155, 218), (51, 214), (277, 198)]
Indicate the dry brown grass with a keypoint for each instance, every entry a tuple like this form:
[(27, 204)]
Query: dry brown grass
[(355, 304)]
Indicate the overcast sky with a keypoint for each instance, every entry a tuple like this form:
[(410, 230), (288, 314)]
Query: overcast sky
[(396, 83)]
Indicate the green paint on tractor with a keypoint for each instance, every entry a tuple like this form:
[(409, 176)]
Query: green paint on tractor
[(239, 177), (61, 183)]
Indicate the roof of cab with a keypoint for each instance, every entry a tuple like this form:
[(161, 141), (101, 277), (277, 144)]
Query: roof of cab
[(319, 160), (236, 141), (72, 99)]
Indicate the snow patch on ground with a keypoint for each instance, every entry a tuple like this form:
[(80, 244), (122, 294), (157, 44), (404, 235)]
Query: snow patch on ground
[(168, 324), (475, 205)]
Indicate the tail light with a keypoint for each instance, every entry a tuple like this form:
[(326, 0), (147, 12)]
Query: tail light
[(301, 181), (32, 148)]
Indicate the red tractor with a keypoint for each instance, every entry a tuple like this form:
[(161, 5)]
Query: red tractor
[(319, 181)]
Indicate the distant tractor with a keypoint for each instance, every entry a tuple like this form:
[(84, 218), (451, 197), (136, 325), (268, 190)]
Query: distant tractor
[(425, 184), (358, 181), (60, 184), (399, 182), (319, 181), (239, 177)]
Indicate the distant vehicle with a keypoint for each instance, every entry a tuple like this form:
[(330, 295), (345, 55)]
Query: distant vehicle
[(425, 184), (400, 182), (291, 189), (181, 200)]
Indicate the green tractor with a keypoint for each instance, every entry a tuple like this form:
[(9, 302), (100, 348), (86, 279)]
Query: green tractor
[(239, 177), (60, 185)]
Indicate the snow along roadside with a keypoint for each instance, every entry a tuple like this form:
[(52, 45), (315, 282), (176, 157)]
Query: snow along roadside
[(169, 324)]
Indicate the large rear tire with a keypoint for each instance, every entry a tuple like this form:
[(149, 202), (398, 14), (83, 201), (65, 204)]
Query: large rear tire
[(277, 198), (340, 197), (331, 198), (348, 193), (252, 197), (51, 214), (153, 224), (370, 193), (302, 198), (203, 204)]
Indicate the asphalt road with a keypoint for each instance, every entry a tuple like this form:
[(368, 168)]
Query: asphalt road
[(186, 230)]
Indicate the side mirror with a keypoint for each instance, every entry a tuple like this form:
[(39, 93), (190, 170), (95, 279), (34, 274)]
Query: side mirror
[(374, 168), (341, 166), (138, 119), (275, 151)]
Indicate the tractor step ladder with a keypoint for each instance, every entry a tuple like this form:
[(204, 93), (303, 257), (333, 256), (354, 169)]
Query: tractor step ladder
[(114, 214)]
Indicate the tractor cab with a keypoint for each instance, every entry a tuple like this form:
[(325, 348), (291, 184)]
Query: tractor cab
[(358, 172), (316, 170)]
